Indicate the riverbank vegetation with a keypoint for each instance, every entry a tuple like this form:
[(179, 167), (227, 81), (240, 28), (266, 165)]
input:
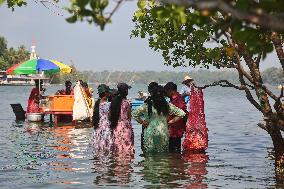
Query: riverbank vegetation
[(272, 76), (10, 56)]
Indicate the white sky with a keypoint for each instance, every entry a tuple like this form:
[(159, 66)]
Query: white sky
[(84, 44)]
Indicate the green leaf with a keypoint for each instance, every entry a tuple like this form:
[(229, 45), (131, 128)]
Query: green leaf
[(86, 12), (95, 4), (72, 19), (139, 14), (104, 4), (141, 4), (82, 3), (242, 5), (201, 35)]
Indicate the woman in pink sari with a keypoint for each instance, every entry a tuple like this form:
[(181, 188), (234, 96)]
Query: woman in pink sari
[(102, 138), (120, 118), (33, 102)]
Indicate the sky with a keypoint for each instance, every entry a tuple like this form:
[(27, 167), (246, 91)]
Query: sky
[(83, 44)]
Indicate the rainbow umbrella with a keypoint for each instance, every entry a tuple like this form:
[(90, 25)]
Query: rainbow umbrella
[(35, 66)]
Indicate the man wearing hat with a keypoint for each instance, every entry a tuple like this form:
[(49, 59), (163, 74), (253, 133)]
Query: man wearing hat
[(185, 90)]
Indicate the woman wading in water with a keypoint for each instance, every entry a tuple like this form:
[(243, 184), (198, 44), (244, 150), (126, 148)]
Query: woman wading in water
[(102, 138), (120, 118), (153, 115)]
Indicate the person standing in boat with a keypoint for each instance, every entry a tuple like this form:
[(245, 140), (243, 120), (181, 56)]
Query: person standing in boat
[(68, 89), (177, 129), (186, 89), (33, 102), (153, 115), (120, 119), (102, 138)]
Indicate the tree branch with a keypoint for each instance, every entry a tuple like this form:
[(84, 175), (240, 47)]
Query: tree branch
[(119, 2), (278, 103), (267, 91), (222, 83), (278, 47), (247, 91), (241, 69), (274, 22), (263, 126), (256, 78), (45, 2), (257, 60)]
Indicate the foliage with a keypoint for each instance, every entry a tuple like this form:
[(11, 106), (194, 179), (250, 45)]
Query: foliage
[(253, 14), (92, 11), (89, 10), (13, 3), (11, 56), (196, 38)]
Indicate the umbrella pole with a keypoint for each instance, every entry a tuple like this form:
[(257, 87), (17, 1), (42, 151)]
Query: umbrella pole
[(39, 88)]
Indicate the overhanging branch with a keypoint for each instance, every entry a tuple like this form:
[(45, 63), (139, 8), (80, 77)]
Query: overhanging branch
[(118, 3), (274, 22), (222, 83)]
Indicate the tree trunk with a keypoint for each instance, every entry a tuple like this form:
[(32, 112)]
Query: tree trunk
[(278, 143), (278, 48)]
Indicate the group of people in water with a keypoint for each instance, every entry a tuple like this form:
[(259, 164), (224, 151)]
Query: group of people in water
[(163, 122)]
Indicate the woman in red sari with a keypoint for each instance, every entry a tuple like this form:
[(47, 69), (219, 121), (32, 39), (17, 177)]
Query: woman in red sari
[(33, 103), (196, 138)]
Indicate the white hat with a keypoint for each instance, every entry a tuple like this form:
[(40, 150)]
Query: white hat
[(187, 78)]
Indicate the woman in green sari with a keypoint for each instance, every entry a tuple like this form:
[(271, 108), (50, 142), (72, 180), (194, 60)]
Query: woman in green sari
[(153, 116)]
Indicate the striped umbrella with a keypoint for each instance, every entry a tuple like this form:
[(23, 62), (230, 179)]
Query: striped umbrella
[(35, 66)]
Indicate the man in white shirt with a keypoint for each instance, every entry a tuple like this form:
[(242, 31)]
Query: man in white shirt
[(185, 90)]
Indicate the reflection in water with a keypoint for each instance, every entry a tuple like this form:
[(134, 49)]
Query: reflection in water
[(45, 149), (69, 143), (197, 169), (122, 167), (64, 143), (113, 168), (63, 146), (174, 170)]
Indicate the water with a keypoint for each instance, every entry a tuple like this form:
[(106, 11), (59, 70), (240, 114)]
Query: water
[(44, 156)]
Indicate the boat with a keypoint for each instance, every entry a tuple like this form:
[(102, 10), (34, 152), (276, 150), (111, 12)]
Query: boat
[(20, 80), (135, 103)]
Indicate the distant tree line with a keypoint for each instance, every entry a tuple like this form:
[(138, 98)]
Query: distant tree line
[(75, 75), (273, 76), (11, 56)]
